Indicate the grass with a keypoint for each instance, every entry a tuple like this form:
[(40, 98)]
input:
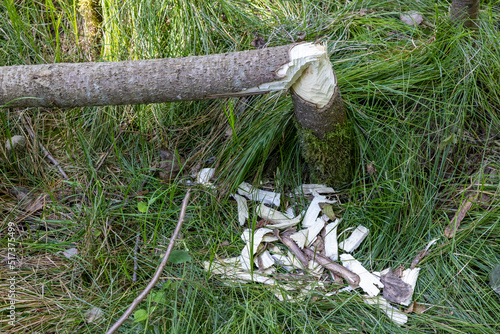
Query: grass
[(424, 102)]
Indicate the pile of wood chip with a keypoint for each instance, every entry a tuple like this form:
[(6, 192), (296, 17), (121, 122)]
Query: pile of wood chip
[(295, 263)]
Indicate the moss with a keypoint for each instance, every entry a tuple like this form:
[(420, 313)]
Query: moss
[(330, 159), (91, 11)]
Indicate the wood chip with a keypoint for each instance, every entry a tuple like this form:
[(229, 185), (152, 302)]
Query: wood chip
[(267, 197), (368, 282), (331, 243), (242, 208), (306, 237), (278, 219), (393, 313), (355, 239)]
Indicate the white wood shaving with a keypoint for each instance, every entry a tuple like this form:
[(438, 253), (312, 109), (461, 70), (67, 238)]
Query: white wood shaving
[(367, 281), (314, 209), (331, 243), (410, 276), (204, 176), (393, 313), (242, 208), (307, 236), (252, 246), (355, 239), (267, 197), (279, 220), (308, 189), (266, 258)]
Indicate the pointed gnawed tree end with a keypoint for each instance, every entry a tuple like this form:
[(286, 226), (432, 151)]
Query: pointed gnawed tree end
[(324, 131)]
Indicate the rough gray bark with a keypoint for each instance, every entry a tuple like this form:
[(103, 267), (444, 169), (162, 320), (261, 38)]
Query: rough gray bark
[(140, 82), (303, 67), (465, 11), (325, 138), (319, 120)]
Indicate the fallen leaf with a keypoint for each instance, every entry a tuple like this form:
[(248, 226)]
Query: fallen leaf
[(70, 253), (15, 142), (328, 210), (179, 256), (370, 168), (416, 308), (94, 315), (465, 206), (142, 207), (451, 139), (170, 165), (411, 18), (140, 315), (395, 290), (495, 279)]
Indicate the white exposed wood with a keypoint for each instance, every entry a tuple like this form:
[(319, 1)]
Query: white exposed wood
[(296, 264), (355, 239), (410, 276), (314, 209), (393, 313), (266, 259), (432, 242), (308, 235), (279, 219), (331, 243), (315, 268), (306, 59), (368, 282), (267, 197), (268, 236), (308, 189), (242, 208), (317, 84), (283, 261)]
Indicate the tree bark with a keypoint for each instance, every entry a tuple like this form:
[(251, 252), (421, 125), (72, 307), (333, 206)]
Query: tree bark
[(325, 133), (303, 67), (465, 11), (148, 81)]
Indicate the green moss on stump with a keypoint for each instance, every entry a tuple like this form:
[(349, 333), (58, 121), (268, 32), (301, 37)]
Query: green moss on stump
[(330, 159)]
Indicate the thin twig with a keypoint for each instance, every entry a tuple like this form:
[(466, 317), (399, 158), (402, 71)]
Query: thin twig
[(46, 153), (349, 276), (158, 272), (136, 251)]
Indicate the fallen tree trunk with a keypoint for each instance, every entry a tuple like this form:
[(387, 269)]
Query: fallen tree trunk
[(465, 12), (153, 81), (303, 67)]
